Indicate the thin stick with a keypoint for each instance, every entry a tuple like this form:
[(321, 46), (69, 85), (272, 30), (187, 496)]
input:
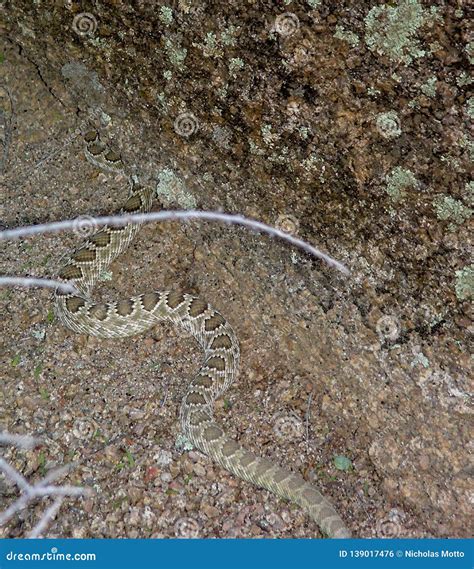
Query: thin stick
[(46, 518), (41, 489), (120, 220), (14, 475), (53, 475), (17, 506), (21, 441), (30, 282)]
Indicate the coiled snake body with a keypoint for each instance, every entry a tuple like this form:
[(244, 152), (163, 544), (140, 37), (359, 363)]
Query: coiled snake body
[(216, 337)]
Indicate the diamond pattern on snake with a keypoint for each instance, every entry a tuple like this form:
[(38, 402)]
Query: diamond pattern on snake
[(219, 344)]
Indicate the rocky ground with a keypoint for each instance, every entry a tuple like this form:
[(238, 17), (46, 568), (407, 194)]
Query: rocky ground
[(345, 123)]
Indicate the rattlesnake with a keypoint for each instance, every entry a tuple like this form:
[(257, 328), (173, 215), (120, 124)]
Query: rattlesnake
[(216, 337)]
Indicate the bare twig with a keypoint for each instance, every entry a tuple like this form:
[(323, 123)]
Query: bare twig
[(31, 282), (120, 220), (42, 489), (17, 506), (53, 475), (21, 441), (14, 476), (46, 518)]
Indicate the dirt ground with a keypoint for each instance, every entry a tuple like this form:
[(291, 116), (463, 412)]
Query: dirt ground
[(306, 117)]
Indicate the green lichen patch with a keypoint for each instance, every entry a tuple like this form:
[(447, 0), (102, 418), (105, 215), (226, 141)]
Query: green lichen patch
[(470, 107), (268, 136), (420, 359), (469, 192), (399, 180), (467, 143), (171, 190), (228, 36), (213, 44), (464, 285), (464, 79), (182, 443), (176, 54), (391, 30), (429, 87), (388, 124), (161, 99), (166, 15), (470, 52), (211, 47), (448, 208), (346, 35), (235, 65)]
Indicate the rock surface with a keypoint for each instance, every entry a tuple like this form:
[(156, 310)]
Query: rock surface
[(347, 126)]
